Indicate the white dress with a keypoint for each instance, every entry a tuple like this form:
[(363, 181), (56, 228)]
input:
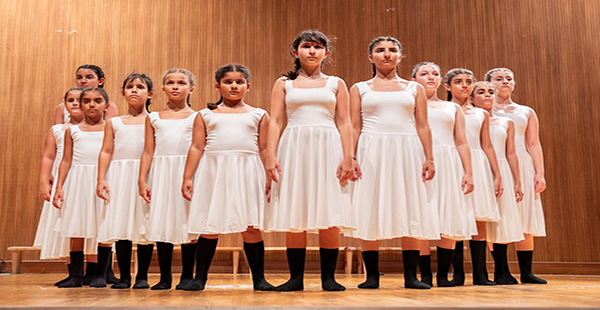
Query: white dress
[(309, 196), (126, 212), (391, 200), (47, 237), (457, 219), (532, 214), (482, 199), (168, 216), (230, 180), (82, 209), (509, 228)]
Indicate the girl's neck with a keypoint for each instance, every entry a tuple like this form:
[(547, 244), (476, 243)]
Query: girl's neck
[(311, 73), (503, 99), (490, 112), (133, 111), (386, 74), (74, 121), (177, 105), (460, 101), (432, 95), (233, 104), (93, 121)]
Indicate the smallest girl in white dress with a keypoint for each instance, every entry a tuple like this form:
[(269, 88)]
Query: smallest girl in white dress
[(228, 193)]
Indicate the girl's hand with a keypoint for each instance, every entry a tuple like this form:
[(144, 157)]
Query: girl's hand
[(518, 192), (187, 189), (58, 198), (345, 170), (273, 169), (102, 189), (467, 184), (498, 189), (428, 170), (145, 191), (539, 183), (357, 172), (45, 191), (268, 190)]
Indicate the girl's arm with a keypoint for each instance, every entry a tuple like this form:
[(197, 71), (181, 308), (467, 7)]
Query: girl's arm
[(193, 157), (345, 170), (146, 161), (48, 157), (424, 132), (111, 111), (263, 130), (488, 149), (356, 120), (513, 160), (460, 140), (275, 126), (106, 154), (59, 114), (63, 170), (534, 147)]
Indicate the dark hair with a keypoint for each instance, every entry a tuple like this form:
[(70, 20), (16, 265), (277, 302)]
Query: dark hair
[(315, 36), (96, 69), (480, 83), (70, 90), (185, 72), (423, 64), (488, 75), (142, 77), (98, 89), (450, 76), (220, 73), (379, 40)]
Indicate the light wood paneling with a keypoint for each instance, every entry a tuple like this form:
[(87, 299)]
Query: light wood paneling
[(551, 45)]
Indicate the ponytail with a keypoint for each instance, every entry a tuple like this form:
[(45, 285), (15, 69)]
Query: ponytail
[(292, 75), (214, 105)]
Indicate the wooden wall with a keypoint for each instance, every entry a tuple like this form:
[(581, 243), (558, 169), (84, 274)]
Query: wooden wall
[(551, 45)]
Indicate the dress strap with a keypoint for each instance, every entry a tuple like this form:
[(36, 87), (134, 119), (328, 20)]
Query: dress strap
[(332, 82), (412, 88), (363, 88)]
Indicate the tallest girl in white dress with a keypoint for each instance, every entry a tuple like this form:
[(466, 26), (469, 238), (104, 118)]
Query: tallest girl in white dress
[(314, 160)]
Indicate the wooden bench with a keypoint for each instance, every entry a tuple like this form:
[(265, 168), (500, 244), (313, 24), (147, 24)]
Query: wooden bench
[(17, 257)]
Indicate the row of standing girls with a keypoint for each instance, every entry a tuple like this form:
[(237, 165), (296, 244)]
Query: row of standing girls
[(419, 172)]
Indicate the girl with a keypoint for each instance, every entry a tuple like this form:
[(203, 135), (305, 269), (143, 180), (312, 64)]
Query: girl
[(228, 142), (80, 206), (47, 238), (488, 185), (313, 152), (126, 212), (509, 227), (168, 135), (451, 151), (531, 166), (85, 76), (389, 117)]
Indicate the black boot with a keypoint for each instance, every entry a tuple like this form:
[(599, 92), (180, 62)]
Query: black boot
[(90, 273), (296, 259), (144, 256), (410, 260), (255, 254), (480, 275), (525, 262), (65, 279), (371, 259), (188, 258), (445, 257), (328, 263), (123, 249), (102, 267), (76, 279), (205, 251), (501, 272), (458, 274), (425, 267), (110, 273), (165, 259)]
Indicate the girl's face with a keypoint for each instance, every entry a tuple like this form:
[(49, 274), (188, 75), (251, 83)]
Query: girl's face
[(460, 86), (72, 104), (233, 86), (504, 82), (87, 78), (177, 86), (429, 77), (483, 97), (93, 104), (385, 55), (136, 93), (311, 53)]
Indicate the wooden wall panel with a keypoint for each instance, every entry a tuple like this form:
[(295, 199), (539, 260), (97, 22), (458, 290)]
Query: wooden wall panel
[(551, 45)]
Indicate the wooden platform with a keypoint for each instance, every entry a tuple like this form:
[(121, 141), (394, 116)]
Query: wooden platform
[(226, 291)]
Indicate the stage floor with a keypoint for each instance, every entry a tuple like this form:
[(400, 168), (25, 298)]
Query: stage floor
[(26, 291)]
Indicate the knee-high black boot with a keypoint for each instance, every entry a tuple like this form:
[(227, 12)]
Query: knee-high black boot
[(165, 260), (445, 257), (458, 267), (65, 279), (328, 264), (76, 279), (144, 255), (425, 268), (110, 273), (410, 260), (480, 275), (501, 272), (123, 250), (525, 262), (371, 259), (255, 254), (188, 259), (104, 254), (205, 253), (296, 260), (90, 272)]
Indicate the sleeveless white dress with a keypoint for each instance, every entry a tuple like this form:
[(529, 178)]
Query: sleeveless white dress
[(391, 200), (168, 216), (309, 196), (509, 228), (230, 180), (532, 214), (82, 209), (126, 212), (457, 219), (482, 199), (47, 237)]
